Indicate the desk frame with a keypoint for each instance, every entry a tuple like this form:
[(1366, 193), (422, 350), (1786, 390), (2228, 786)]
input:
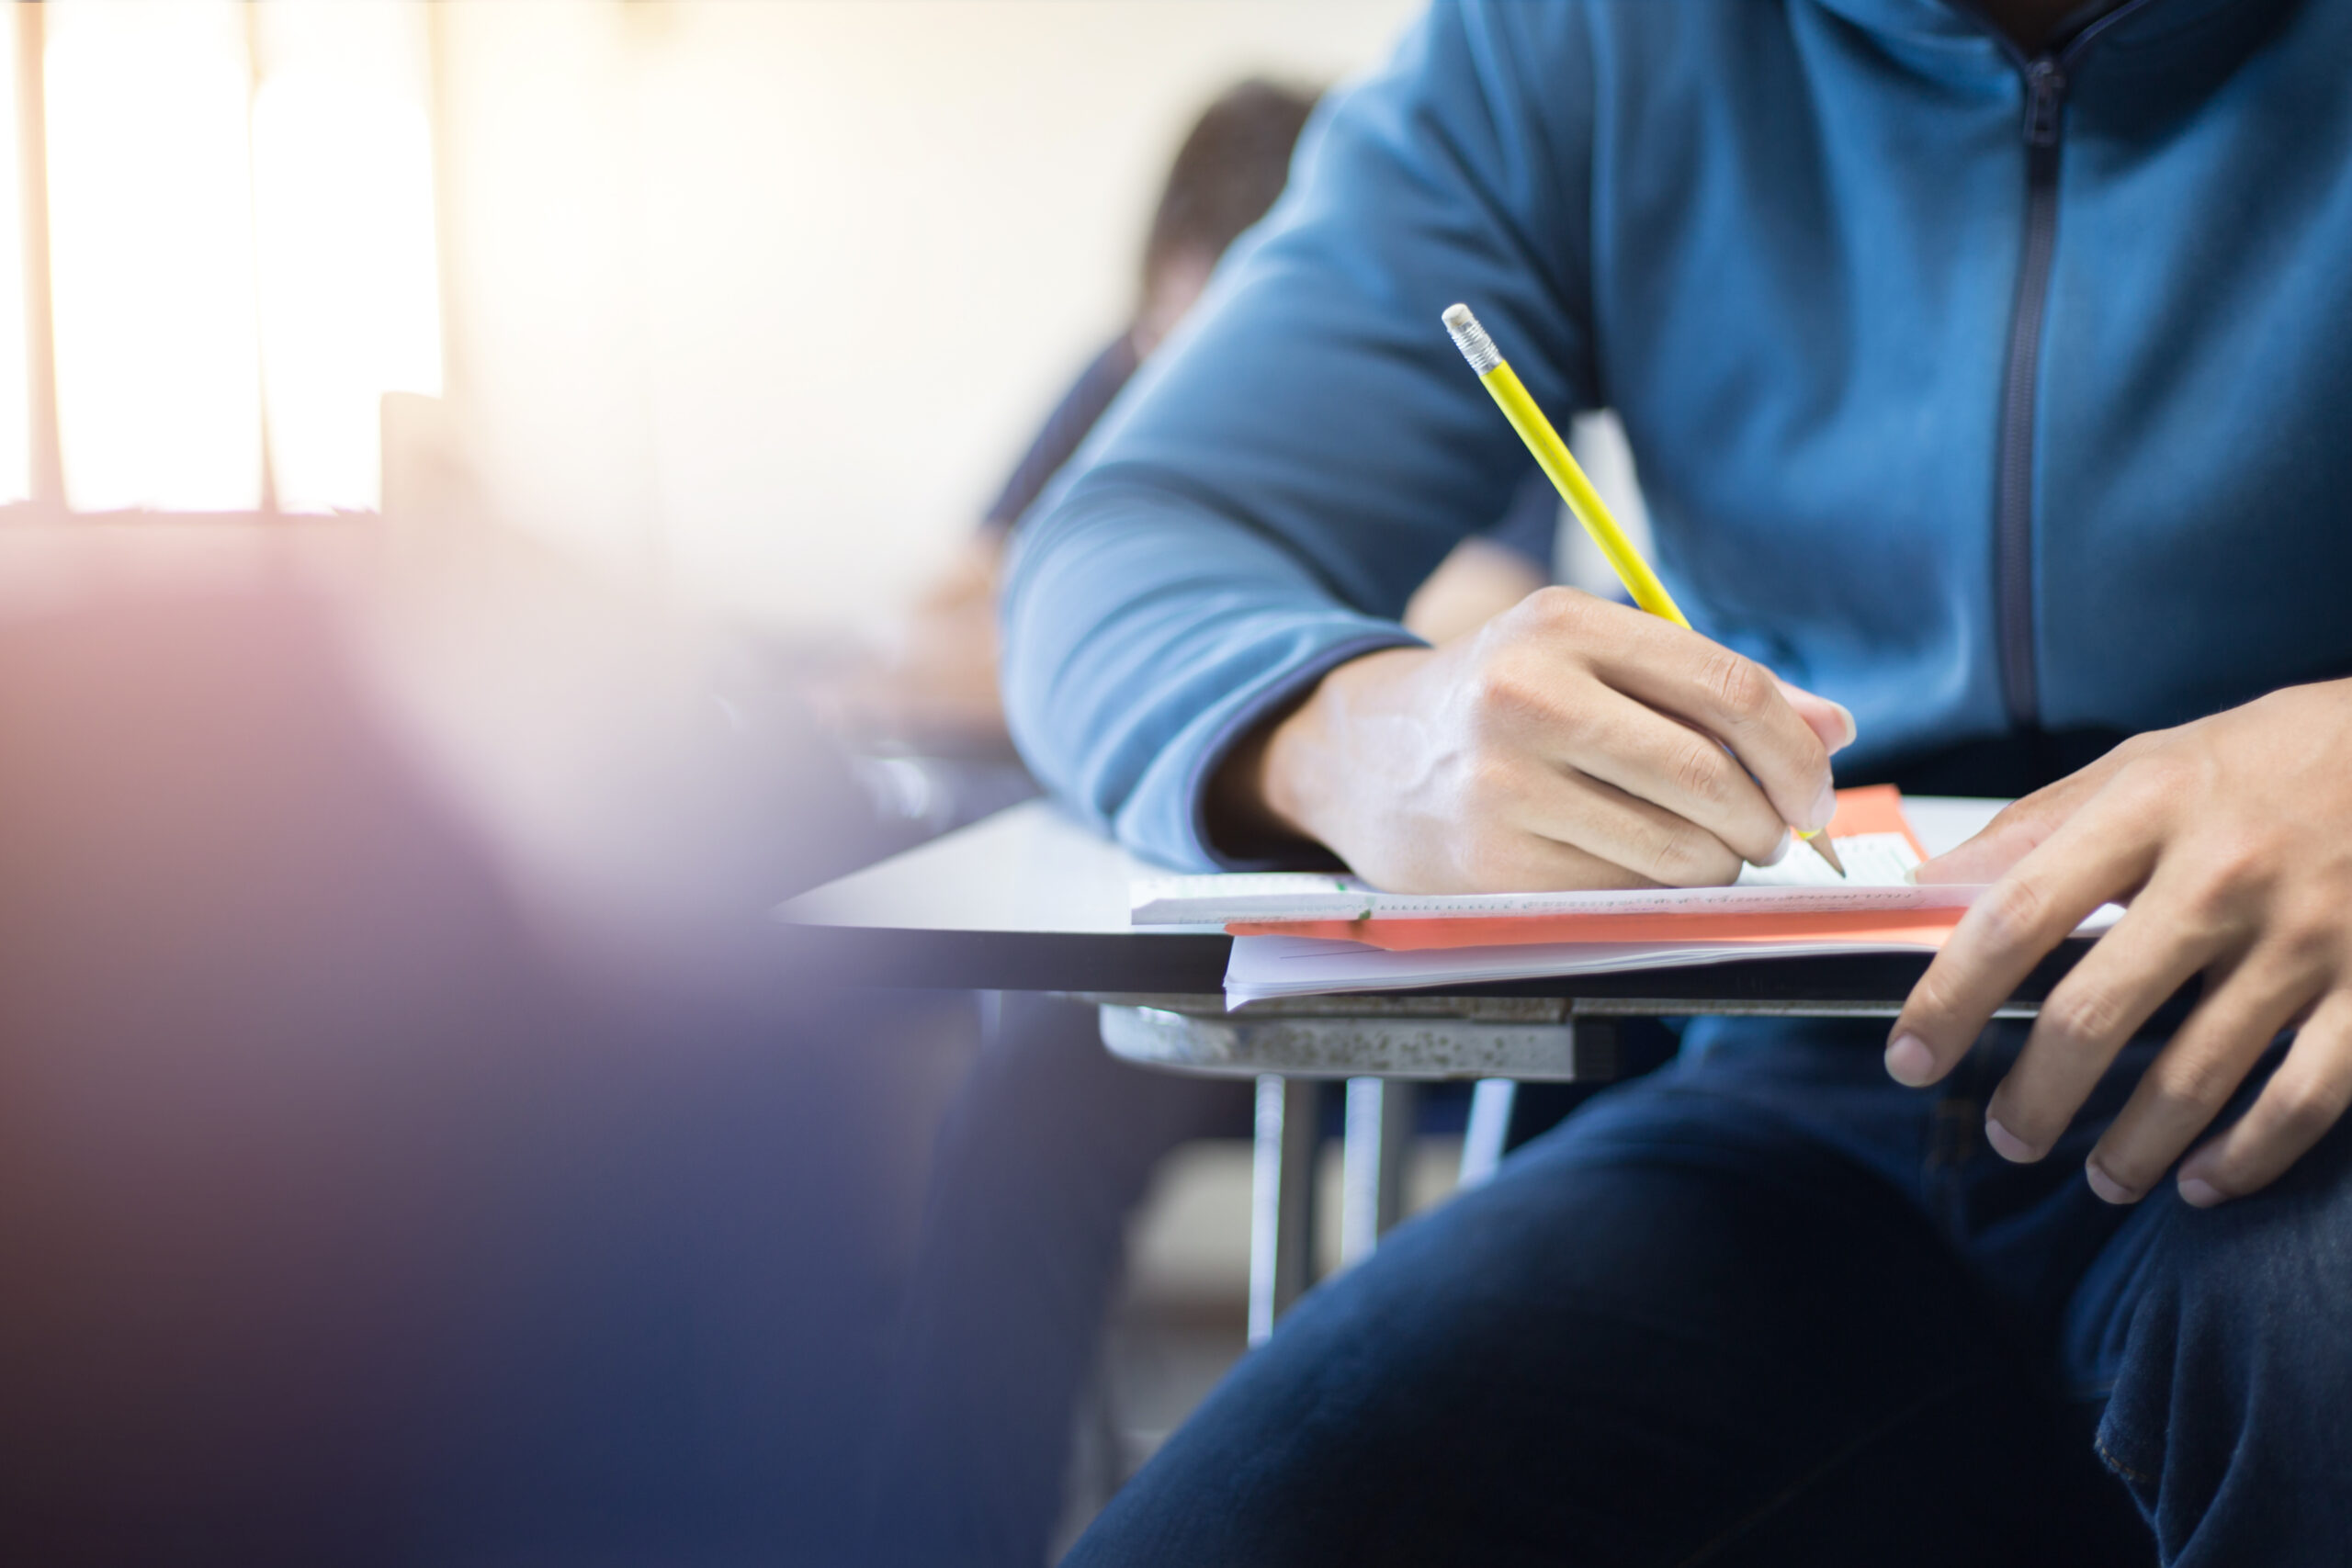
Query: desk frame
[(1382, 1045), (1032, 899)]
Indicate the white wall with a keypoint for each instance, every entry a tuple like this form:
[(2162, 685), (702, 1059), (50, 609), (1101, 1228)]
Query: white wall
[(762, 299)]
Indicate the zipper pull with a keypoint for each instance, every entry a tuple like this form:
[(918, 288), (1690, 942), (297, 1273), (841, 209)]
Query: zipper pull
[(2045, 92)]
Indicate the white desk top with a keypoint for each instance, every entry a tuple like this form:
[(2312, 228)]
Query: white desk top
[(1031, 867), (1030, 900), (1947, 821), (1034, 868)]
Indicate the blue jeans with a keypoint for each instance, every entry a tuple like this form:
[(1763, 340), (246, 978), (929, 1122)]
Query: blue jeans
[(1767, 1306)]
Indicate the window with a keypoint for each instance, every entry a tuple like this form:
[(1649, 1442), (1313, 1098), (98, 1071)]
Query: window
[(221, 213)]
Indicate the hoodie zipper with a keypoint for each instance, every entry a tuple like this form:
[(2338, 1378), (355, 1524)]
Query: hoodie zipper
[(2046, 80)]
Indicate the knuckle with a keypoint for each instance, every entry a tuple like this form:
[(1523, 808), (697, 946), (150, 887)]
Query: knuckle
[(2082, 1016), (2011, 913), (1499, 694), (2304, 1110), (2137, 804), (1931, 999), (2306, 940), (2198, 1084), (2142, 787), (1486, 686), (2145, 755), (2016, 811), (2234, 865), (1684, 857), (1737, 686), (1698, 771), (1557, 609)]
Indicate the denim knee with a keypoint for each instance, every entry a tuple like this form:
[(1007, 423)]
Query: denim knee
[(2232, 1377)]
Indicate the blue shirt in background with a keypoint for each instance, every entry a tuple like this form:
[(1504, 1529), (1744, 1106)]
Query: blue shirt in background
[(1528, 529)]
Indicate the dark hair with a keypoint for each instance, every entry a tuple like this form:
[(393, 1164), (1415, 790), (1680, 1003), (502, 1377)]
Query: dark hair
[(1228, 172)]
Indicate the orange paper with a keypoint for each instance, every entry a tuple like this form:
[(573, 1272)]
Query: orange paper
[(1876, 809)]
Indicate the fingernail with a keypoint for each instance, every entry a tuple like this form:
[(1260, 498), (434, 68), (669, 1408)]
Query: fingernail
[(2008, 1144), (1908, 1061), (1780, 851), (2105, 1186), (2199, 1193), (1824, 807), (1852, 730)]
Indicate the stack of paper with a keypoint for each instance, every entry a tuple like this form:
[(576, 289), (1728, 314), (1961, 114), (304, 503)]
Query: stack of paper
[(1263, 967), (1304, 934)]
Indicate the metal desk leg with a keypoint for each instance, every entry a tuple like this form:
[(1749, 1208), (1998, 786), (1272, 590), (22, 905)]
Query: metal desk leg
[(1282, 1200), (1489, 1130), (1372, 1182)]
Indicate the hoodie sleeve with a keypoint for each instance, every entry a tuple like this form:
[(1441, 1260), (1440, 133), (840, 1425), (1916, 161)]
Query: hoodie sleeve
[(1275, 483)]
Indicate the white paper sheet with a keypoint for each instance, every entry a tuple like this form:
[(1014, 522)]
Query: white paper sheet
[(1264, 967), (1877, 867)]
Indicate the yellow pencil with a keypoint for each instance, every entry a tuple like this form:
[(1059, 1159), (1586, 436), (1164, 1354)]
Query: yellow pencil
[(1559, 464)]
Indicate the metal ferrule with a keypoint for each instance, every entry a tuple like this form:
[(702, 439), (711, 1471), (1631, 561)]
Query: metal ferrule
[(1471, 339)]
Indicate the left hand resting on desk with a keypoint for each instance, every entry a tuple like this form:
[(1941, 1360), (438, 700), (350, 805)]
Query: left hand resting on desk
[(2231, 838)]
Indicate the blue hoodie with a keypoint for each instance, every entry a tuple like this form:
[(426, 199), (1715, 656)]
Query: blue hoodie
[(1984, 394)]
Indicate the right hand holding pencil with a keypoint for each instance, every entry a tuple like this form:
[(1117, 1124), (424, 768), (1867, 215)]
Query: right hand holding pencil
[(1573, 742)]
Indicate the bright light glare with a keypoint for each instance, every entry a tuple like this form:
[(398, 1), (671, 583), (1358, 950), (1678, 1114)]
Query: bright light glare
[(343, 187), (152, 258), (16, 380)]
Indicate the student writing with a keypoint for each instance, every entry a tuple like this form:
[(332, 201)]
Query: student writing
[(1984, 368)]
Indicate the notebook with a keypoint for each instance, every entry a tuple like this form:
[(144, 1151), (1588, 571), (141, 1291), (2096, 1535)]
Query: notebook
[(1800, 897), (1304, 934)]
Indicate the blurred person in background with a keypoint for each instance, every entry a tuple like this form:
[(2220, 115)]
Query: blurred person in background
[(1050, 1142), (931, 680)]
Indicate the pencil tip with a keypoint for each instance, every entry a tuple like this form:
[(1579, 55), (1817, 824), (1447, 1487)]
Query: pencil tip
[(1820, 841)]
